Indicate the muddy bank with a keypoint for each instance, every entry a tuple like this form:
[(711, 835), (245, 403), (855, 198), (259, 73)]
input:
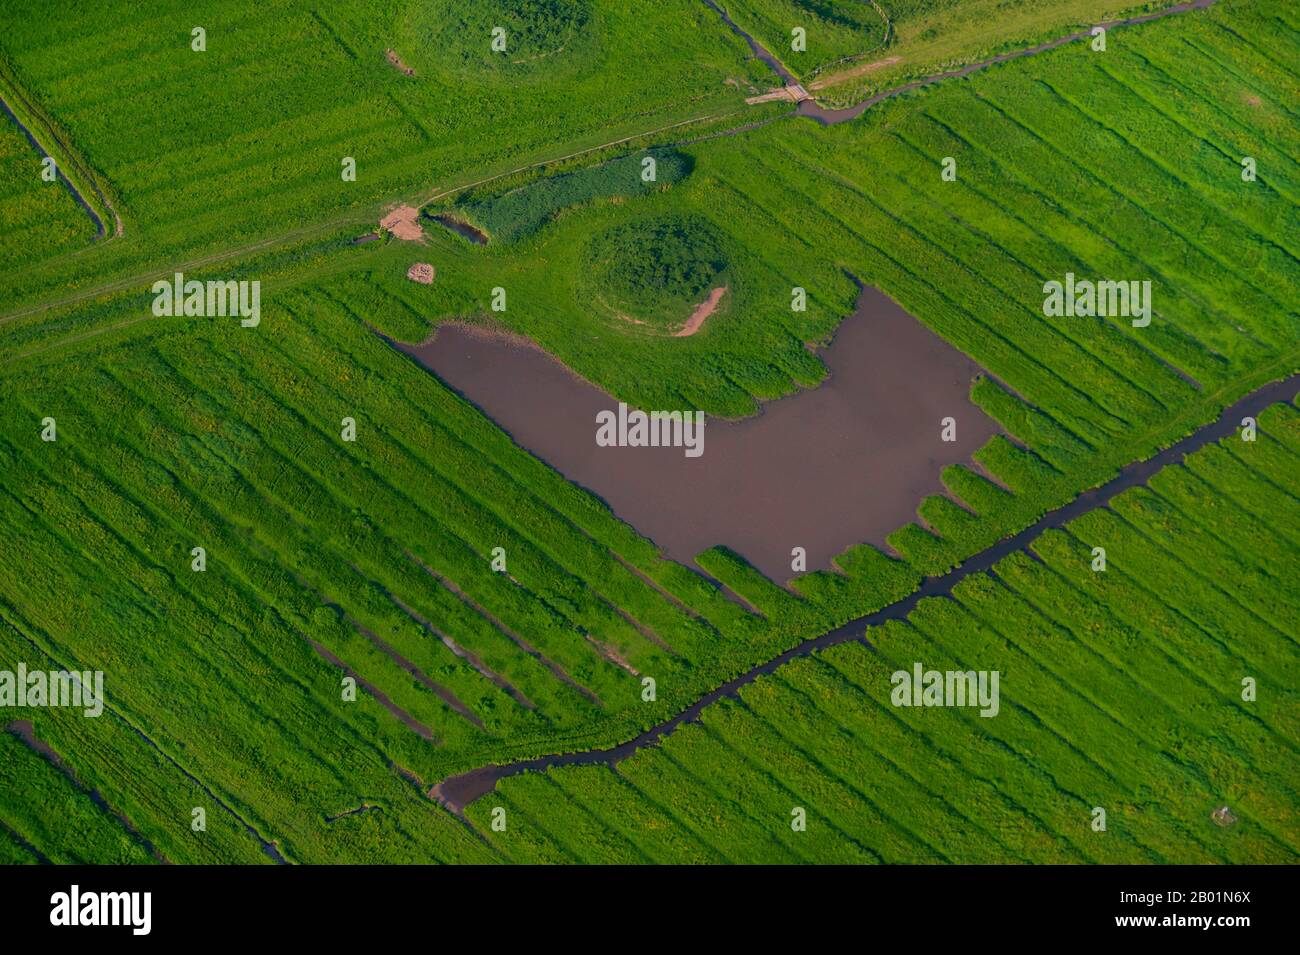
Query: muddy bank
[(26, 731), (842, 464), (458, 791)]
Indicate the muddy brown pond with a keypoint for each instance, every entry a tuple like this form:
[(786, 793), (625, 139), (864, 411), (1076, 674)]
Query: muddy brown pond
[(844, 463)]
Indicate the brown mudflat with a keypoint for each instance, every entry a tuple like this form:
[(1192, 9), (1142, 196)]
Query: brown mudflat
[(841, 464)]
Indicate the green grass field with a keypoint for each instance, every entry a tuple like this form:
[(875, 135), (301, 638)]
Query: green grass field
[(927, 37), (850, 49), (518, 213), (833, 32)]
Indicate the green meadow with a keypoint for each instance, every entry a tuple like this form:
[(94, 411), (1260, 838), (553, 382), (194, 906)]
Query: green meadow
[(851, 49), (834, 33)]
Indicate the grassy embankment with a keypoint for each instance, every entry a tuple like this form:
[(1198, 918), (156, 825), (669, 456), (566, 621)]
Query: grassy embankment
[(39, 219)]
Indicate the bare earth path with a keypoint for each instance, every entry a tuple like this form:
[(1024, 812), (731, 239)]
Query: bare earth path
[(458, 791), (829, 117), (702, 312)]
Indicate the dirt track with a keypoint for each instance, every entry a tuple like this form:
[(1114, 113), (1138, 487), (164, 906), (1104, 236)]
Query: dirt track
[(321, 228), (807, 108)]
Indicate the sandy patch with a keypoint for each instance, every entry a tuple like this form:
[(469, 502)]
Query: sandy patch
[(396, 60), (404, 223), (421, 272), (702, 311), (860, 70)]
